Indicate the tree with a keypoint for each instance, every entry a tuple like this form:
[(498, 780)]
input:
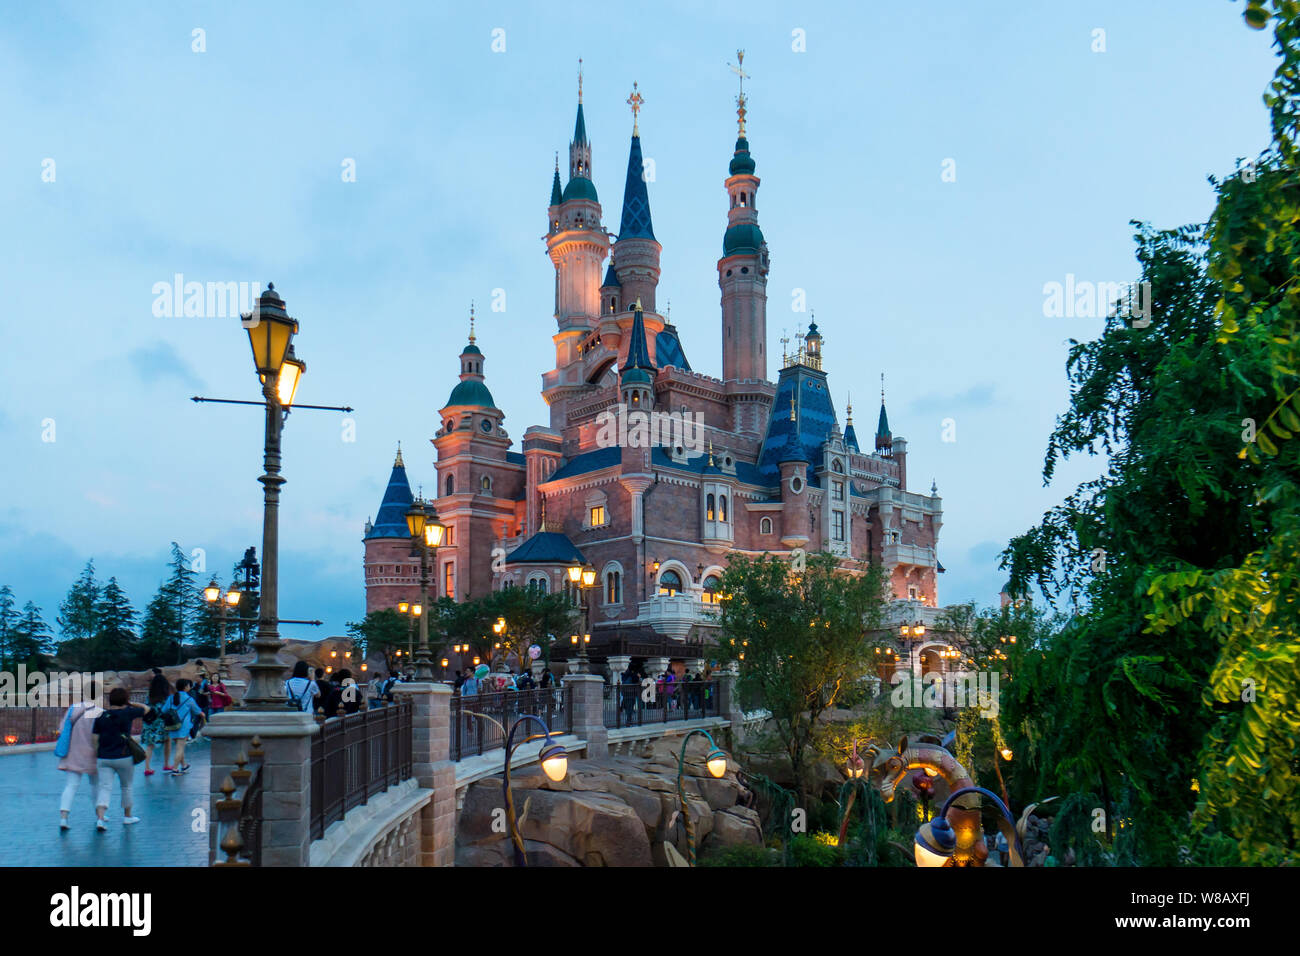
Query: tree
[(115, 646), (8, 619), (800, 640), (78, 613), (30, 639), (384, 631), (158, 631), (531, 617)]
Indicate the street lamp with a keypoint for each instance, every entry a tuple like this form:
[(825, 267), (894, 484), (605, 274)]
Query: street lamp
[(936, 841), (716, 762), (270, 335), (426, 535), (212, 594)]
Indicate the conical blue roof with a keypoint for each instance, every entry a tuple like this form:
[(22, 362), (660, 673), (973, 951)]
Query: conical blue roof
[(611, 277), (391, 520), (668, 350), (636, 222), (557, 194), (580, 127), (882, 427), (638, 353)]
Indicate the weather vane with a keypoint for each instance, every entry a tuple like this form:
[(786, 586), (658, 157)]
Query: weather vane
[(739, 70), (635, 101)]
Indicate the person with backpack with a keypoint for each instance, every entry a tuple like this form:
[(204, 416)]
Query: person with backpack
[(76, 750), (200, 693), (300, 689), (325, 688), (181, 719), (154, 732)]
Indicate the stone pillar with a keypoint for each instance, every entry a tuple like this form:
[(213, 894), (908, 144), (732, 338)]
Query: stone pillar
[(730, 710), (286, 778), (618, 663), (587, 716), (433, 769), (656, 667)]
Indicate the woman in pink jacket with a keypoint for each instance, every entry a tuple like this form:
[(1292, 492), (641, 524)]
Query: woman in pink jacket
[(81, 758)]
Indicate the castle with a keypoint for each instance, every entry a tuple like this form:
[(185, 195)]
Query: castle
[(769, 468)]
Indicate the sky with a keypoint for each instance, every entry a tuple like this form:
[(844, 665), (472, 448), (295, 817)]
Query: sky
[(926, 171)]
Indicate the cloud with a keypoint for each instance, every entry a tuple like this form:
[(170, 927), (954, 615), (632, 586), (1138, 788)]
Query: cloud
[(977, 396), (160, 361)]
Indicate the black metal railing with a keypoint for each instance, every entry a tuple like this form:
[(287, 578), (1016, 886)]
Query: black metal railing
[(633, 705), (355, 757), (472, 734)]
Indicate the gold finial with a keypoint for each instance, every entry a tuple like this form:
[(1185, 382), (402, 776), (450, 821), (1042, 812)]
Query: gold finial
[(710, 454), (882, 388), (849, 409), (637, 307), (668, 313), (471, 321), (398, 462), (739, 70), (579, 79), (792, 415), (785, 352), (635, 101)]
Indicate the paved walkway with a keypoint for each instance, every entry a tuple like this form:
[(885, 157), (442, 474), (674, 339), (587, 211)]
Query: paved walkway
[(30, 787)]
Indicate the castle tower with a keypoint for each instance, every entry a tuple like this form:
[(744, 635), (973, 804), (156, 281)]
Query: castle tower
[(743, 268), (636, 380), (636, 253), (390, 572), (577, 245)]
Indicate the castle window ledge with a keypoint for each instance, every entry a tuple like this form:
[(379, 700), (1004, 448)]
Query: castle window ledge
[(904, 611), (674, 615), (908, 554)]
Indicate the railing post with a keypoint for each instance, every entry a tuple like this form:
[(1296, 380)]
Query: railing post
[(433, 769), (286, 778), (729, 704), (587, 712)]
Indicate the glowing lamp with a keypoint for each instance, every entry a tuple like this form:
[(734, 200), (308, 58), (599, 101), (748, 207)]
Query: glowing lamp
[(588, 576), (1006, 753), (290, 375), (433, 529), (856, 767), (444, 662), (212, 592), (934, 844), (232, 597), (555, 762), (403, 606), (717, 763), (574, 571), (11, 739), (417, 609), (270, 332), (415, 519)]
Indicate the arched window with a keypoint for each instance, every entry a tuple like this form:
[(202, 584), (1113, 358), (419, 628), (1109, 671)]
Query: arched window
[(451, 485), (539, 584), (765, 526), (670, 583), (708, 508), (571, 592), (613, 587), (711, 584), (485, 483), (722, 507)]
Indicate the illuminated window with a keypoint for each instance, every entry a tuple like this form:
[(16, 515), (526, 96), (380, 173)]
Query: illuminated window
[(670, 583), (597, 516), (613, 587), (708, 508), (722, 507), (711, 584), (449, 579)]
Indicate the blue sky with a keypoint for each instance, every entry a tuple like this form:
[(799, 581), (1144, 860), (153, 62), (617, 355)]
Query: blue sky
[(225, 166)]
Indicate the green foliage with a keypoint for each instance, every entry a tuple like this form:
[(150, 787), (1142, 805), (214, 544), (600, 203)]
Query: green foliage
[(741, 855), (800, 640), (531, 617), (815, 849), (384, 632)]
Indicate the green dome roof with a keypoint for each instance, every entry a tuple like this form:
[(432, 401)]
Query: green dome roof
[(742, 162), (742, 237), (471, 349), (580, 187), (637, 376), (471, 392)]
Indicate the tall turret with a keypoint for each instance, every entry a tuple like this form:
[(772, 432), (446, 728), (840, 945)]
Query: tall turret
[(636, 253), (743, 268)]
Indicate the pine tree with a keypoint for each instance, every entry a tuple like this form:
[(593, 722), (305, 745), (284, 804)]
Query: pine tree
[(8, 620), (248, 608), (115, 644), (31, 639), (78, 618), (185, 596), (158, 631)]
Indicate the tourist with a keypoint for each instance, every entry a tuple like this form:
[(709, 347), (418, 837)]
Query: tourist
[(376, 690), (630, 690), (325, 689), (525, 681), (113, 729), (76, 750), (154, 732), (221, 698), (460, 679), (349, 694), (301, 689), (182, 715), (200, 691)]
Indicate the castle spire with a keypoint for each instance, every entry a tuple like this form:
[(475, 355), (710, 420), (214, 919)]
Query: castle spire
[(471, 321), (557, 193), (884, 440), (636, 222), (638, 354), (397, 462), (739, 70)]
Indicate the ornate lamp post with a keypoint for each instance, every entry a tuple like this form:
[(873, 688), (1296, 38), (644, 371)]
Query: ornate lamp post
[(426, 535), (855, 767), (935, 840), (716, 761), (584, 577), (270, 333), (212, 594)]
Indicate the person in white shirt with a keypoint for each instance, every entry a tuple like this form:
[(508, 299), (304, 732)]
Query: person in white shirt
[(301, 689)]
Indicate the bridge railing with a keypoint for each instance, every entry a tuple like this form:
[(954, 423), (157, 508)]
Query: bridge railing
[(472, 735), (356, 757), (626, 704)]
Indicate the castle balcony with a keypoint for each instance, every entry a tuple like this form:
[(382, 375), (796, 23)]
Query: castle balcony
[(675, 615), (898, 613), (895, 554)]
